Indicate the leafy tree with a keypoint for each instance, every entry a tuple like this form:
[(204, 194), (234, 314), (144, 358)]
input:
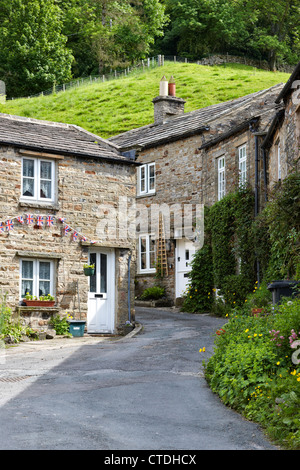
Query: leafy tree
[(108, 33), (33, 53), (261, 28)]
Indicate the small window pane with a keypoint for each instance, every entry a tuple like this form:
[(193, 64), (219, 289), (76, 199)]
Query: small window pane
[(45, 190), (143, 179), (44, 271), (28, 187), (143, 261), (103, 273), (44, 288), (28, 168), (93, 285), (151, 177), (27, 287), (27, 269), (46, 170)]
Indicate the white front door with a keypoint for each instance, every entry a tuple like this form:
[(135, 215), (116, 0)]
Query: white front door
[(185, 251), (101, 297)]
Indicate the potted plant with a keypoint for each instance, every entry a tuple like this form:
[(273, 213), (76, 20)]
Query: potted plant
[(76, 327), (259, 299), (89, 269), (43, 301)]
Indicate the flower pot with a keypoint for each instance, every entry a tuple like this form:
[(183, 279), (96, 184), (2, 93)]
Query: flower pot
[(76, 327), (39, 303), (256, 311), (89, 271)]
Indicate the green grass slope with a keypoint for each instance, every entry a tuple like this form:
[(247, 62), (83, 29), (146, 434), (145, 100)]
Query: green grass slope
[(119, 105)]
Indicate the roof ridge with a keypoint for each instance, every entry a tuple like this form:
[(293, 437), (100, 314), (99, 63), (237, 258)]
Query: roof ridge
[(15, 117)]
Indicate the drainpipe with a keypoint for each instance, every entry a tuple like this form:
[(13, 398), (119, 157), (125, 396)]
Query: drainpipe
[(129, 306), (265, 174), (256, 201)]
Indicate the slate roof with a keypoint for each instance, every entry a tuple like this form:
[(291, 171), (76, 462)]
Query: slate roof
[(59, 138), (231, 112), (287, 88)]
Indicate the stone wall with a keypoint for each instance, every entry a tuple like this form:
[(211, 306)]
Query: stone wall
[(87, 189)]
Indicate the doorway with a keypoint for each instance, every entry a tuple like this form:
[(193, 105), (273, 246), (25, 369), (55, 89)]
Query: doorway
[(101, 297)]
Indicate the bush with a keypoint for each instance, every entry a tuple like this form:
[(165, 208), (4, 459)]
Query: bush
[(153, 293), (60, 325), (199, 293), (8, 326), (254, 369)]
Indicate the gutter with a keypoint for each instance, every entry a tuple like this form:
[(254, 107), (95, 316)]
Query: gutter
[(127, 161)]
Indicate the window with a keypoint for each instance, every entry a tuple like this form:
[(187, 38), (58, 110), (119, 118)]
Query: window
[(146, 179), (221, 178), (242, 165), (38, 179), (146, 253), (36, 277), (278, 159)]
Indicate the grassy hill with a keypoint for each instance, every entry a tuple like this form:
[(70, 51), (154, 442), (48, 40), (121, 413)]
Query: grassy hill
[(119, 105)]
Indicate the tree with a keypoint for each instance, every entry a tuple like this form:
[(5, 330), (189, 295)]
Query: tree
[(109, 33), (33, 53), (259, 28)]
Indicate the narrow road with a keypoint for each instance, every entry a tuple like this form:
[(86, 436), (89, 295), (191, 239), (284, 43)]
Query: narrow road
[(140, 393)]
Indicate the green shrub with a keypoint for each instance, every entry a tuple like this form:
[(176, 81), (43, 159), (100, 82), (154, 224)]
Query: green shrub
[(60, 325), (153, 293), (9, 327), (254, 370), (199, 294)]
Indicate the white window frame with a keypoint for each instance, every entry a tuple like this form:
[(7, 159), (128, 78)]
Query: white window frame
[(147, 269), (242, 164), (35, 278), (37, 181), (145, 182), (221, 178)]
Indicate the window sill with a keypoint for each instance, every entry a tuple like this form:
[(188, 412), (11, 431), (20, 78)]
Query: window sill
[(39, 205), (147, 273), (140, 196)]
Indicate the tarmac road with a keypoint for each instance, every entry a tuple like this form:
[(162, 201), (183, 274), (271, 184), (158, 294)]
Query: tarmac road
[(142, 392)]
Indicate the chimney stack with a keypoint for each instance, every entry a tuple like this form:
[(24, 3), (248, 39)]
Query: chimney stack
[(167, 105)]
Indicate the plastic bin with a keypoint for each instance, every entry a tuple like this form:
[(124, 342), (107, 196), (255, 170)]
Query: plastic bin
[(281, 289), (76, 327)]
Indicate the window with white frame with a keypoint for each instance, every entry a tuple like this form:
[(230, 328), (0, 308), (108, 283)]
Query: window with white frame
[(146, 253), (242, 165), (36, 277), (146, 179), (38, 180), (278, 159), (221, 178)]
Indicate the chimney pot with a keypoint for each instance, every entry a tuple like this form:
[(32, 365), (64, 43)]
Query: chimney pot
[(163, 87), (172, 87)]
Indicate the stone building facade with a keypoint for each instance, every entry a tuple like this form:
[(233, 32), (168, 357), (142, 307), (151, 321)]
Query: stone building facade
[(191, 160), (282, 142), (58, 183)]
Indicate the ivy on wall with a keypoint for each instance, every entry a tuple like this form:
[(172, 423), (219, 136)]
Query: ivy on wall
[(235, 239)]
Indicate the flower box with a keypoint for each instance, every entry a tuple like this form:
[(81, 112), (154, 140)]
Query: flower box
[(39, 303)]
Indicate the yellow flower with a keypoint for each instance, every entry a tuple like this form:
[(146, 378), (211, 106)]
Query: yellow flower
[(294, 372), (246, 300), (246, 331), (255, 335), (277, 363), (202, 350)]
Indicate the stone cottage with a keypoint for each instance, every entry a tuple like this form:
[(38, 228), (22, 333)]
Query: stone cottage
[(58, 182), (188, 160), (282, 142)]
